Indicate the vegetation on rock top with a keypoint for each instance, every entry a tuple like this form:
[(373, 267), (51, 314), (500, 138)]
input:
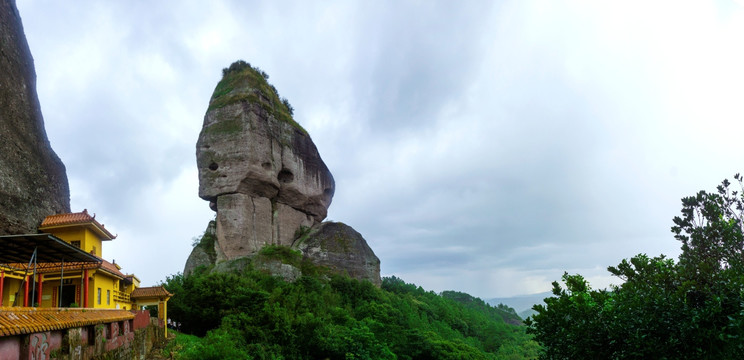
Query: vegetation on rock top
[(243, 82)]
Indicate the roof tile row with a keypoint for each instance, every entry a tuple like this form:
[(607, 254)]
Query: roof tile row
[(150, 291), (18, 321), (75, 218)]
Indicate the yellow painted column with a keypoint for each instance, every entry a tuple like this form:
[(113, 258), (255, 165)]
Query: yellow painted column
[(162, 314)]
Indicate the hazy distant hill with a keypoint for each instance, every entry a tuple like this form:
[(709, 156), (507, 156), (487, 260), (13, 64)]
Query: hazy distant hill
[(522, 303)]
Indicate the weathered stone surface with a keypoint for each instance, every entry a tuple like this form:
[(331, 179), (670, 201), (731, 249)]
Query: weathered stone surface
[(287, 272), (203, 253), (259, 169), (33, 182), (262, 174), (244, 225), (342, 249), (198, 257), (289, 221)]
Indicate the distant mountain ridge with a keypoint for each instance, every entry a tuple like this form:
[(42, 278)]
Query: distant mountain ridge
[(522, 303)]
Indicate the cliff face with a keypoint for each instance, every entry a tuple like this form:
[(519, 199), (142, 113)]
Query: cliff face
[(260, 171), (33, 182), (263, 175), (203, 253), (342, 249)]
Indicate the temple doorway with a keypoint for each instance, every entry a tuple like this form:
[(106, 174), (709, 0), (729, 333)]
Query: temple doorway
[(67, 296)]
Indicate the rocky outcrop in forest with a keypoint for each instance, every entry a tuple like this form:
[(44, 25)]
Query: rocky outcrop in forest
[(264, 177), (342, 249), (33, 181)]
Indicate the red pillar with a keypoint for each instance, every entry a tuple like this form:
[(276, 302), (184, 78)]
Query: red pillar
[(38, 289), (2, 281), (25, 291), (85, 288)]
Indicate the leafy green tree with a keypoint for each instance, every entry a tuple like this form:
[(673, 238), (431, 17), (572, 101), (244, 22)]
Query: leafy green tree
[(691, 309), (710, 230), (570, 325), (335, 317)]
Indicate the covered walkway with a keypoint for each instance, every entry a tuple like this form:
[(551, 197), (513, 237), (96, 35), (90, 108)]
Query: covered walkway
[(26, 258)]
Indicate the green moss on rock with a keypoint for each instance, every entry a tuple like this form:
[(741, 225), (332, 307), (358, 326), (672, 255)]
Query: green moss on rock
[(282, 253), (208, 239), (231, 126), (243, 83)]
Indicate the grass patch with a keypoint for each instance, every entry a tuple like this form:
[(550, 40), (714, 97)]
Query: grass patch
[(225, 127), (282, 253), (255, 89)]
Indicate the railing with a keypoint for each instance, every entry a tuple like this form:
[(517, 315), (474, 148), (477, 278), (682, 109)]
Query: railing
[(122, 297)]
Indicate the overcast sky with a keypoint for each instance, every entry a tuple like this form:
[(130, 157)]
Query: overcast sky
[(478, 146)]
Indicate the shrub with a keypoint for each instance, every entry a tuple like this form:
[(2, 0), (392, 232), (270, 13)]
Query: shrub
[(286, 103), (236, 67)]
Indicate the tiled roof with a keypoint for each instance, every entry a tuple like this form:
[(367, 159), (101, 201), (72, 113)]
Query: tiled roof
[(17, 321), (68, 218), (109, 267), (150, 291), (78, 218)]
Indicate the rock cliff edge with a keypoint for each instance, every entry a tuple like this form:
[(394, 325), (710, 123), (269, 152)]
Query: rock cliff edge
[(263, 175), (33, 181)]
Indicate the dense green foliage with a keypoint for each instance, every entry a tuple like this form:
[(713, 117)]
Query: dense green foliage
[(216, 346), (691, 309), (251, 314)]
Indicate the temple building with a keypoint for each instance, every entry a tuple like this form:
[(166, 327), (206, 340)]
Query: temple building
[(63, 266)]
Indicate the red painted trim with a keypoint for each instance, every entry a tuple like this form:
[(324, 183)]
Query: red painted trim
[(85, 288), (25, 291), (38, 290)]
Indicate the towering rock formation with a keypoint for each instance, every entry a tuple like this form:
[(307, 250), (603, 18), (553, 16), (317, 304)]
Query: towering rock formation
[(258, 168), (264, 177), (33, 182)]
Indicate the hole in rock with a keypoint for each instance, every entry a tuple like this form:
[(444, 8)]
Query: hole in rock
[(213, 166), (266, 165), (285, 176)]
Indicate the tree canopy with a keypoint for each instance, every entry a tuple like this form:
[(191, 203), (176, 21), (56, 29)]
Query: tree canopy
[(247, 314), (689, 309)]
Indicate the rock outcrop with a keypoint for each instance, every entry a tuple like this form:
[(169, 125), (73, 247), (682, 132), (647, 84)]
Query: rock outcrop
[(342, 249), (203, 253), (33, 181), (264, 177), (258, 168)]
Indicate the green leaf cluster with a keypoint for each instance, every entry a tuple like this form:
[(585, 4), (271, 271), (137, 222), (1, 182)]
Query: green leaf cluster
[(690, 309), (258, 316)]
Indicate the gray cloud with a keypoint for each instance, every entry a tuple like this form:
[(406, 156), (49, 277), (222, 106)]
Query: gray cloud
[(480, 147)]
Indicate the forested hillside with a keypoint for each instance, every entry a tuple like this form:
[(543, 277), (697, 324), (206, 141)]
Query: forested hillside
[(249, 314)]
